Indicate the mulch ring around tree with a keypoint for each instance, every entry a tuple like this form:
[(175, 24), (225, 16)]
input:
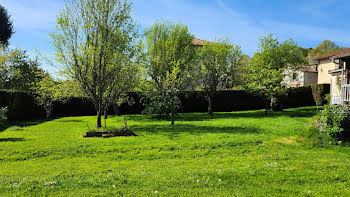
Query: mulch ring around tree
[(107, 134)]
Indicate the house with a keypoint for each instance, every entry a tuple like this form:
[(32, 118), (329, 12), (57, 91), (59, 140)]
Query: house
[(306, 75), (334, 69)]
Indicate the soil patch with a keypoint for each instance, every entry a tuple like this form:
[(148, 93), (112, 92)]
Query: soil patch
[(107, 134)]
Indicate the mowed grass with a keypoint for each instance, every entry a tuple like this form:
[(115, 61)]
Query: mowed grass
[(235, 154)]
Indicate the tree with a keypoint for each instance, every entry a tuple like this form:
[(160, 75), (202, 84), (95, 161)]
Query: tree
[(17, 70), (6, 27), (170, 57), (238, 72), (215, 61), (323, 48), (45, 94), (95, 40), (129, 80), (265, 73)]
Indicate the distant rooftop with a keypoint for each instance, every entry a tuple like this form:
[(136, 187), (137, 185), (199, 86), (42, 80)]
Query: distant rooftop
[(336, 54), (199, 42)]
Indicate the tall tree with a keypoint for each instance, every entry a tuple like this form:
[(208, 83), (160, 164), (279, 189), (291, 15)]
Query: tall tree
[(265, 73), (6, 27), (95, 40), (238, 72), (170, 58), (215, 61), (323, 48), (17, 70)]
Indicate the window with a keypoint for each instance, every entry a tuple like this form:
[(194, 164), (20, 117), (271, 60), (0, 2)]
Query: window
[(294, 76)]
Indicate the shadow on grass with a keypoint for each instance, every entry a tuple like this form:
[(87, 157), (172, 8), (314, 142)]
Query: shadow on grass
[(174, 131), (59, 120), (21, 124), (297, 112), (11, 139)]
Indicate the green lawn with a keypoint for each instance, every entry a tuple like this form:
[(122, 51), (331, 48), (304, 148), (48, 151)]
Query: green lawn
[(235, 154)]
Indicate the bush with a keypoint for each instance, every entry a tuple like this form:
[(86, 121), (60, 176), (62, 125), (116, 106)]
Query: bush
[(334, 122), (317, 91), (159, 103), (3, 115)]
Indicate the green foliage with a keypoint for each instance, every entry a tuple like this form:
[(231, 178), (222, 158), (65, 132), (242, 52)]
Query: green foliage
[(46, 93), (323, 48), (3, 116), (265, 74), (333, 120), (328, 98), (317, 93), (18, 71), (169, 59), (159, 103), (6, 27), (215, 62), (96, 42), (237, 74)]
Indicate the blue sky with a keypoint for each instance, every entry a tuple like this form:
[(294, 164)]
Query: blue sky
[(242, 21)]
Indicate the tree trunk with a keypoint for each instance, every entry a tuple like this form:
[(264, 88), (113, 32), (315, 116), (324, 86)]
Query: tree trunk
[(48, 113), (98, 123), (105, 117), (210, 106), (267, 104), (116, 109), (172, 108)]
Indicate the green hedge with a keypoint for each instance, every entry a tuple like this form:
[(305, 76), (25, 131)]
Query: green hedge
[(21, 105)]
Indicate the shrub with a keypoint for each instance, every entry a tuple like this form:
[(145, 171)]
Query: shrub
[(3, 116), (317, 91), (333, 122), (328, 97), (159, 103)]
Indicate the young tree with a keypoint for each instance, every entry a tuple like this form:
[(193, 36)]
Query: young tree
[(265, 73), (45, 94), (170, 58), (215, 61), (95, 40), (6, 27)]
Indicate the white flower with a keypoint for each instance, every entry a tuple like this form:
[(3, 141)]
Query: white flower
[(114, 186), (197, 181), (155, 191), (308, 192), (50, 183), (219, 180)]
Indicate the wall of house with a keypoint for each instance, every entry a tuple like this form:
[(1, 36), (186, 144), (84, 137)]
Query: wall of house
[(323, 76), (289, 81), (310, 78), (335, 88)]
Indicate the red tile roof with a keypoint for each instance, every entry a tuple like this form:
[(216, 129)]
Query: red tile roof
[(308, 69), (335, 54), (199, 42)]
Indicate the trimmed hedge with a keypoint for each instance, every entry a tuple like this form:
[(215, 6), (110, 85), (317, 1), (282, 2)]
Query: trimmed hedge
[(21, 105)]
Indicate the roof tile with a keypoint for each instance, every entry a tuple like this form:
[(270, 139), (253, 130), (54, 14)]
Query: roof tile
[(335, 54)]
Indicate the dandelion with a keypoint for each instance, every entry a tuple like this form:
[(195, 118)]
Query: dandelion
[(113, 186), (155, 191), (308, 192), (197, 181), (219, 180)]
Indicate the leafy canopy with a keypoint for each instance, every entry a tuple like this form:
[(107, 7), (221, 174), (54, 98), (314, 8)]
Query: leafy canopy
[(265, 74), (96, 41), (6, 27)]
